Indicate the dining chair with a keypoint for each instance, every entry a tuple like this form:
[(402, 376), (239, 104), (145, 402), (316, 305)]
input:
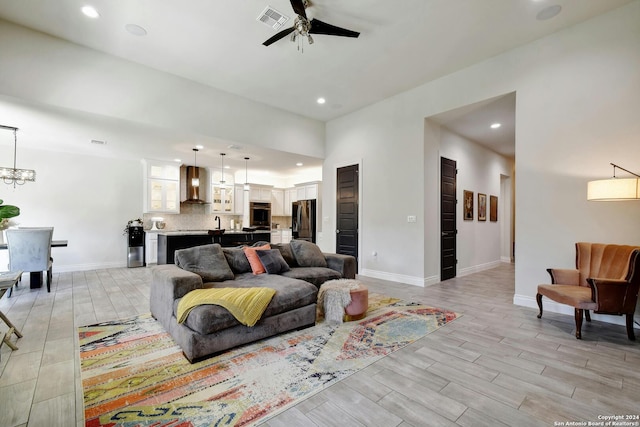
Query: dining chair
[(30, 250)]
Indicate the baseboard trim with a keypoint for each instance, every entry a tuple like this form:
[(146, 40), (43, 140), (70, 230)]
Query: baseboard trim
[(400, 278), (554, 307), (477, 268), (86, 267)]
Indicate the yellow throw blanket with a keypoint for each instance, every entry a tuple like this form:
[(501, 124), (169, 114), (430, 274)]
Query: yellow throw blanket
[(246, 304)]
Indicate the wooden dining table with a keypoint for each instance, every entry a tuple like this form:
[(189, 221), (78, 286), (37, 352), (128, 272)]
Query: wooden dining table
[(35, 277)]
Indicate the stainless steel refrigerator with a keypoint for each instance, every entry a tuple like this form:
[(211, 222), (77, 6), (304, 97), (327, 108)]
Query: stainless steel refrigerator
[(303, 220)]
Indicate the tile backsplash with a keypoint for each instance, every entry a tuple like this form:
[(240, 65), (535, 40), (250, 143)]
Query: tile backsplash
[(197, 217)]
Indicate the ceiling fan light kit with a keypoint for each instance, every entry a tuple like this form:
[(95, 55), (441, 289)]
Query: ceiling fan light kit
[(304, 27)]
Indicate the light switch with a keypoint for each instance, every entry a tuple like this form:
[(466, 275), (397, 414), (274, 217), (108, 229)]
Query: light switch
[(411, 218)]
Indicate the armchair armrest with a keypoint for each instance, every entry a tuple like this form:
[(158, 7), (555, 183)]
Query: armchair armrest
[(168, 283), (343, 264), (613, 296), (564, 276)]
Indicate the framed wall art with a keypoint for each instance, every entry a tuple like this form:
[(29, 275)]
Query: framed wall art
[(467, 207), (482, 207), (493, 208)]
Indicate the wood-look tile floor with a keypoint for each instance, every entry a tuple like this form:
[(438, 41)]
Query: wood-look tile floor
[(497, 365)]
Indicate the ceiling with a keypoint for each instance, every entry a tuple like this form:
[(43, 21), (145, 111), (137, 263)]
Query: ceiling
[(474, 122), (219, 43)]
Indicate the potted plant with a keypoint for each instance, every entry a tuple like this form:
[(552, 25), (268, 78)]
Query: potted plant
[(137, 221), (6, 212)]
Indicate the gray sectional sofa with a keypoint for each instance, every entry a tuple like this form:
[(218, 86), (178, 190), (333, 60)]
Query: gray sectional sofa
[(295, 270)]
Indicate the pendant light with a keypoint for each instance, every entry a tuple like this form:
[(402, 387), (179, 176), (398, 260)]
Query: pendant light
[(13, 175), (195, 181), (246, 174), (615, 189), (222, 181)]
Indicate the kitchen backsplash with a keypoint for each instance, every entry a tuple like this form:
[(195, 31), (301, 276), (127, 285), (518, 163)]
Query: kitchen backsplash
[(196, 217)]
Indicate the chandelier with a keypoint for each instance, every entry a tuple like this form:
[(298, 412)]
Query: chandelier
[(14, 175)]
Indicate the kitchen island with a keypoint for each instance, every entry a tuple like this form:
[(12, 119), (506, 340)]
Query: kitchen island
[(170, 241)]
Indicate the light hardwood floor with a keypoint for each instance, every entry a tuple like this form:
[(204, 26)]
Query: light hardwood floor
[(496, 365)]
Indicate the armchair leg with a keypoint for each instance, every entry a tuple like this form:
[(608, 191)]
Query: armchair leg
[(579, 312), (587, 315), (630, 333), (539, 300), (49, 280)]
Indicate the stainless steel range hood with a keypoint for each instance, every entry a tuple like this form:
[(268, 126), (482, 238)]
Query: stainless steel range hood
[(194, 182)]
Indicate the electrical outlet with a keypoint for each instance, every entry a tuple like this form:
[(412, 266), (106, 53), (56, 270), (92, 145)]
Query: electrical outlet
[(411, 218)]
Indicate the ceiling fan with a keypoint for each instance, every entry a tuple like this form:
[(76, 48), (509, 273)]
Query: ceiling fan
[(304, 27)]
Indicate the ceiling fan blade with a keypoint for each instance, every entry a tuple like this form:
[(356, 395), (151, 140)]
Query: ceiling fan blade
[(282, 34), (319, 27), (298, 7)]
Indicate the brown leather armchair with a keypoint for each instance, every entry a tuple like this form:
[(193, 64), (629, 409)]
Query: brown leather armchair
[(606, 280)]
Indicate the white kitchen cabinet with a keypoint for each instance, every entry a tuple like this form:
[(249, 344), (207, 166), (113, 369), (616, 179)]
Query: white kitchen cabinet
[(276, 236), (277, 202), (239, 199), (290, 196), (222, 195), (161, 187), (307, 191), (222, 199), (285, 235), (260, 193), (151, 247)]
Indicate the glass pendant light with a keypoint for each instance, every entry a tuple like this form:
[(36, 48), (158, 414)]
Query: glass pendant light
[(246, 174), (195, 181)]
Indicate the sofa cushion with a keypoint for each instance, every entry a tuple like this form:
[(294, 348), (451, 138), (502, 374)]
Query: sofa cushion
[(254, 261), (314, 275), (237, 259), (272, 261), (290, 294), (208, 261), (287, 253), (307, 254)]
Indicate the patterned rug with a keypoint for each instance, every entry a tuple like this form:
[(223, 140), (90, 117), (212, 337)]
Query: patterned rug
[(133, 374)]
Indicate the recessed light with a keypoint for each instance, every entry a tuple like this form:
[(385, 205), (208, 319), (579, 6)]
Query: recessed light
[(548, 12), (136, 30), (177, 160), (90, 11), (299, 164), (321, 100), (495, 125)]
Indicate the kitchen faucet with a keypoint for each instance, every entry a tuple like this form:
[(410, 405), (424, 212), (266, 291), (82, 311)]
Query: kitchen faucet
[(217, 218)]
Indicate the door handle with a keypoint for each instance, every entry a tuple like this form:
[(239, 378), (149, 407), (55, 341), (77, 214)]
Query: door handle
[(445, 234), (337, 231)]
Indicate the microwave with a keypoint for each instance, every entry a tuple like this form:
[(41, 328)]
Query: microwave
[(260, 214)]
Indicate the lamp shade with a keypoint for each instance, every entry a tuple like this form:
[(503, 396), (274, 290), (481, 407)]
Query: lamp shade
[(614, 189)]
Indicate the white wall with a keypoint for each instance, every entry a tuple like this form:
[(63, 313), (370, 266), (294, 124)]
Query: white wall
[(576, 110), (87, 199)]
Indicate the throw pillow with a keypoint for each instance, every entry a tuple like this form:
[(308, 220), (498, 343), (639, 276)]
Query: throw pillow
[(286, 252), (307, 254), (272, 261), (254, 261), (208, 261), (237, 259)]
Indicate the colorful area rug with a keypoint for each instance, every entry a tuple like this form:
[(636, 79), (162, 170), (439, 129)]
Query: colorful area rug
[(133, 374)]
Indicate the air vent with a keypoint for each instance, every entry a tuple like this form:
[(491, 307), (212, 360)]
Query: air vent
[(272, 18), (98, 142)]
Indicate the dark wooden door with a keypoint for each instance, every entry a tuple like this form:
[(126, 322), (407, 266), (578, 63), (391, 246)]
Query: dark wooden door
[(347, 211), (448, 230)]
